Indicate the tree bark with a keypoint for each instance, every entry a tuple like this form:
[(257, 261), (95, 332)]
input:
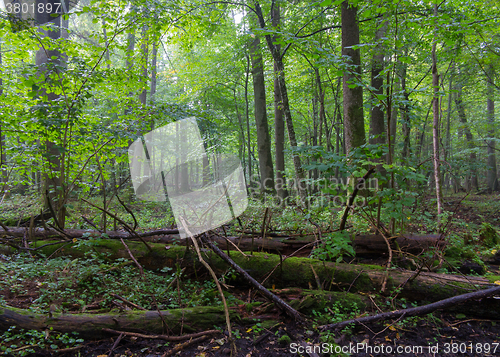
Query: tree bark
[(279, 122), (377, 126), (490, 113), (91, 325), (471, 178), (263, 138), (280, 73), (53, 181), (354, 125), (435, 127)]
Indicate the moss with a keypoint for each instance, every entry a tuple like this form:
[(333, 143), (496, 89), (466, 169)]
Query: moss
[(488, 236), (284, 340), (493, 278)]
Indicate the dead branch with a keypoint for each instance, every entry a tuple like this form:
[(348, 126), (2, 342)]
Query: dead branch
[(279, 302), (163, 337), (416, 311)]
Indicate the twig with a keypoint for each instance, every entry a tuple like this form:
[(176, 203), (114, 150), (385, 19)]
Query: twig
[(353, 196), (416, 311), (212, 273), (184, 345), (130, 303), (117, 341), (128, 210), (127, 227), (91, 224), (132, 256), (163, 337)]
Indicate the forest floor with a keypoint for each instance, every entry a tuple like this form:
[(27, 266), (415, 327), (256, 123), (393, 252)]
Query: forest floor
[(436, 334)]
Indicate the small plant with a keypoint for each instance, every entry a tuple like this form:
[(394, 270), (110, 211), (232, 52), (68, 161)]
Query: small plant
[(334, 247)]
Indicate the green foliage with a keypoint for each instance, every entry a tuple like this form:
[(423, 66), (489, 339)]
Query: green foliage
[(334, 246), (69, 284), (20, 342)]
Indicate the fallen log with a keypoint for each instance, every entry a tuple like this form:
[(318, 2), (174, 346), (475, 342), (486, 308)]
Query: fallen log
[(409, 243), (363, 244), (92, 325), (300, 272), (79, 233)]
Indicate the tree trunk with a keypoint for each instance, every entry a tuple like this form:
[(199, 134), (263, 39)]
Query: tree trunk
[(377, 126), (280, 73), (354, 126), (145, 52), (3, 154), (53, 185), (279, 122), (435, 127), (154, 56), (405, 118), (490, 113), (263, 138), (471, 178)]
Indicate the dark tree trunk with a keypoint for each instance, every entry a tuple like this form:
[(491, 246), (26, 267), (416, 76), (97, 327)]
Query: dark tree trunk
[(490, 112), (377, 126), (471, 178), (263, 138), (354, 126), (279, 122), (280, 74)]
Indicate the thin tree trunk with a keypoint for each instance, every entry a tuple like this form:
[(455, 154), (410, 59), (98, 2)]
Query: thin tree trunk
[(377, 127), (154, 56), (145, 52), (354, 126), (490, 113), (280, 68), (279, 122), (435, 127), (263, 138), (471, 178), (405, 118), (3, 154)]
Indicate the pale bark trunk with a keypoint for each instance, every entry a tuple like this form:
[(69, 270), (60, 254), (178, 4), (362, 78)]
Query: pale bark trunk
[(435, 127)]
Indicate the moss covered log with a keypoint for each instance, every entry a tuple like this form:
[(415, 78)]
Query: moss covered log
[(91, 325), (293, 272)]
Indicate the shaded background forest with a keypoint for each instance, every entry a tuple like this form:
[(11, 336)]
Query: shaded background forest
[(299, 91)]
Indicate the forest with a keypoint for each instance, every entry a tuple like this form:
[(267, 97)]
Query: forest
[(249, 178)]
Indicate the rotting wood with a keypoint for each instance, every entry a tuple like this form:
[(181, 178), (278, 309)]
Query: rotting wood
[(363, 244), (92, 325), (297, 272)]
